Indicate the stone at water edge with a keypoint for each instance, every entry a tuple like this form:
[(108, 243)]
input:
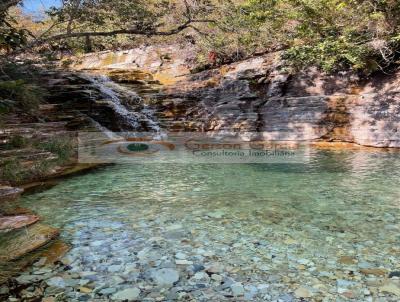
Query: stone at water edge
[(390, 288), (9, 193), (180, 256), (302, 292), (166, 277), (173, 227), (114, 268), (374, 271), (108, 291), (17, 221), (127, 294), (215, 268), (183, 262), (348, 260), (201, 276), (216, 277), (56, 282), (28, 279), (41, 262), (4, 290), (216, 214), (85, 290), (237, 289), (55, 252), (17, 245)]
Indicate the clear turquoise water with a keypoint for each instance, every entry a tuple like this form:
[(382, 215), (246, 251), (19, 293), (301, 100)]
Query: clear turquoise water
[(261, 218)]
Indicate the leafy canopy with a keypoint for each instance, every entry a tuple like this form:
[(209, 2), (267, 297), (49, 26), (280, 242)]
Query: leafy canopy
[(332, 34)]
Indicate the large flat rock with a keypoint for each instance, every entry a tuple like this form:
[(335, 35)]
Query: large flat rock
[(8, 223), (9, 193), (14, 245)]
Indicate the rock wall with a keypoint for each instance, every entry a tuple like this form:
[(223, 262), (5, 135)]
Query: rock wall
[(257, 95), (165, 62)]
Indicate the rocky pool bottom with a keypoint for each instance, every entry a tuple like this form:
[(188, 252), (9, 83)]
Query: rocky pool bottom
[(325, 230)]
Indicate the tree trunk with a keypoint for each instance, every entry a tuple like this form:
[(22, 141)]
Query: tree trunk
[(88, 44)]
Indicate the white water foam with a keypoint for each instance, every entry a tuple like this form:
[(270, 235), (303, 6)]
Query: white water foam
[(114, 92)]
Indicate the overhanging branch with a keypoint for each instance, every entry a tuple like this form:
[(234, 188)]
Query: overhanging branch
[(178, 29)]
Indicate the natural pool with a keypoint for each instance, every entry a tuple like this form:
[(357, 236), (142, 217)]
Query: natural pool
[(325, 230)]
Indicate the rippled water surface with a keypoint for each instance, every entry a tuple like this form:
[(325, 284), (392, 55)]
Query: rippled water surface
[(326, 230)]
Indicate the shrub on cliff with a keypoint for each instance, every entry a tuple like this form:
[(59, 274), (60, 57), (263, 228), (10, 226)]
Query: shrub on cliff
[(62, 147), (331, 34), (26, 96), (363, 35)]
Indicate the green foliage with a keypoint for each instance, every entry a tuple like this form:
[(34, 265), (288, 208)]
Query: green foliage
[(62, 147), (16, 141), (27, 96), (363, 35), (16, 171), (331, 34), (11, 38), (12, 170), (330, 55), (6, 106)]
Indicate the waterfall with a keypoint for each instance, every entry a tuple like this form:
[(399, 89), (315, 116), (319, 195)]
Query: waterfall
[(107, 132), (120, 99)]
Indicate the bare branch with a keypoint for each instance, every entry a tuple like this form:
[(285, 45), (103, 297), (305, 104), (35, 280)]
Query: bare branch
[(170, 32)]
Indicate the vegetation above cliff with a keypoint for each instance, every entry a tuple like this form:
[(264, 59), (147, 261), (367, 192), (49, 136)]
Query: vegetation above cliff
[(331, 34)]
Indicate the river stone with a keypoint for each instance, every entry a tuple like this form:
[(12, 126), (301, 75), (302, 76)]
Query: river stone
[(108, 291), (130, 294), (302, 292), (216, 277), (85, 290), (117, 280), (180, 256), (373, 271), (183, 262), (216, 214), (390, 288), (56, 282), (237, 289), (9, 193), (345, 283), (201, 276), (215, 268), (17, 221), (165, 277), (16, 245), (197, 268), (114, 268), (4, 290), (286, 298), (251, 292), (41, 262), (174, 227), (27, 279)]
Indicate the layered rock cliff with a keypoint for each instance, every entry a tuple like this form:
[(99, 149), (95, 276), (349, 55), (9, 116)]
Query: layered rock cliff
[(259, 95)]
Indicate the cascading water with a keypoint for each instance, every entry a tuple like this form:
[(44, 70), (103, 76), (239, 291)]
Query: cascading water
[(120, 99), (107, 132)]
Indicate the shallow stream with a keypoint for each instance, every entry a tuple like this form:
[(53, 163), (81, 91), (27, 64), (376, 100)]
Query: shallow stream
[(325, 230)]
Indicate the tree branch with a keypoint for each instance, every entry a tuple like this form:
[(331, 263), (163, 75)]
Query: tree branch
[(171, 32)]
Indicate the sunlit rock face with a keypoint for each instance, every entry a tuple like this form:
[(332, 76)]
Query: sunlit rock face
[(258, 95), (164, 62)]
